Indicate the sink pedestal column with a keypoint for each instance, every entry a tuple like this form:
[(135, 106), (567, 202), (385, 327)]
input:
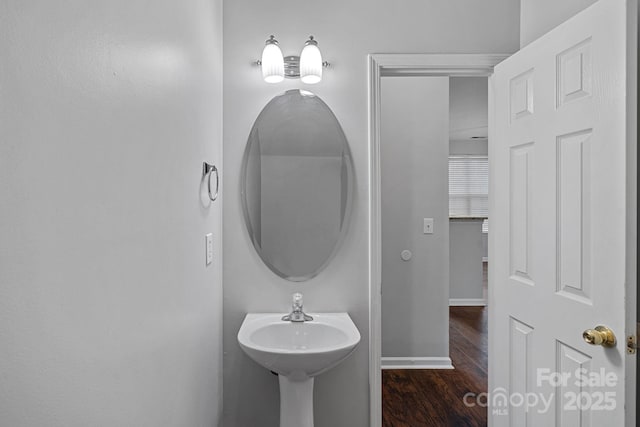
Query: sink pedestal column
[(296, 402)]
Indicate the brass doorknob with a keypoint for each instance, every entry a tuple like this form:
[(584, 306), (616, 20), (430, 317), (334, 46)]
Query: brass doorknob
[(601, 335)]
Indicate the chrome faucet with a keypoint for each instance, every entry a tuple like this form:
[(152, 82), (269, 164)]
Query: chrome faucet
[(297, 315)]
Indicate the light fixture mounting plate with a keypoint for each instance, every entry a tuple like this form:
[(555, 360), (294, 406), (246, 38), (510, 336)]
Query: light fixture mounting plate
[(292, 67)]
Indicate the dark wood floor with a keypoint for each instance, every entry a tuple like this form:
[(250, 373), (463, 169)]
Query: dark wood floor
[(417, 398)]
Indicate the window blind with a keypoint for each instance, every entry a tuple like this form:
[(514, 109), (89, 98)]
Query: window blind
[(468, 186)]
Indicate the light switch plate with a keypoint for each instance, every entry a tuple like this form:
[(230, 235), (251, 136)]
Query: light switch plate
[(428, 226), (209, 247)]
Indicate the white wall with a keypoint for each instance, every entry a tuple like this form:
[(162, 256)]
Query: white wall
[(285, 183), (466, 259), (108, 315), (414, 153), (346, 32), (539, 16), (475, 148), (468, 108)]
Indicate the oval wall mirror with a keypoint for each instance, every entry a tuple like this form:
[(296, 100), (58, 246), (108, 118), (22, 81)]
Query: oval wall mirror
[(297, 179)]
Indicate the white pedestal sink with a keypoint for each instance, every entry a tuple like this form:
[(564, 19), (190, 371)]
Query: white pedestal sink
[(297, 352)]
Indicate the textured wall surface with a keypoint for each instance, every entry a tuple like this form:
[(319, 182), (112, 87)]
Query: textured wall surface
[(108, 315)]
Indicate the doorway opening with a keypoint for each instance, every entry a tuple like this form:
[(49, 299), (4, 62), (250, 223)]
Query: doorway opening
[(415, 65), (434, 206)]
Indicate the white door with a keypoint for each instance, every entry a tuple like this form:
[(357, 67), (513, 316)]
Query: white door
[(563, 224)]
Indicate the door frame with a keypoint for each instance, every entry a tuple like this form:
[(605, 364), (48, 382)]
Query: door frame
[(399, 65)]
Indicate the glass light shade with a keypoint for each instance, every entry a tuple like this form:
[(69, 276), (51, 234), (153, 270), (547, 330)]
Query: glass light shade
[(310, 64), (272, 63)]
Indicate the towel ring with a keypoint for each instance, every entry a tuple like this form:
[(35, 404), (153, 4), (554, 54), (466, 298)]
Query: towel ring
[(207, 171)]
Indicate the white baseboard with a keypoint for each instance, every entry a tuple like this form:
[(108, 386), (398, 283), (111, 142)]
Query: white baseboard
[(457, 302), (416, 363), (485, 259)]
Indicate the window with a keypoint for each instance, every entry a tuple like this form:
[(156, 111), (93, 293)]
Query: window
[(468, 186)]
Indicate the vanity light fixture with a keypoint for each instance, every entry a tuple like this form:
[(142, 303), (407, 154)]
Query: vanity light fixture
[(308, 66), (310, 62), (272, 62)]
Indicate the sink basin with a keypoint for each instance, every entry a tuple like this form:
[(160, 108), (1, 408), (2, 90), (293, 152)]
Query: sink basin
[(298, 349), (297, 352)]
